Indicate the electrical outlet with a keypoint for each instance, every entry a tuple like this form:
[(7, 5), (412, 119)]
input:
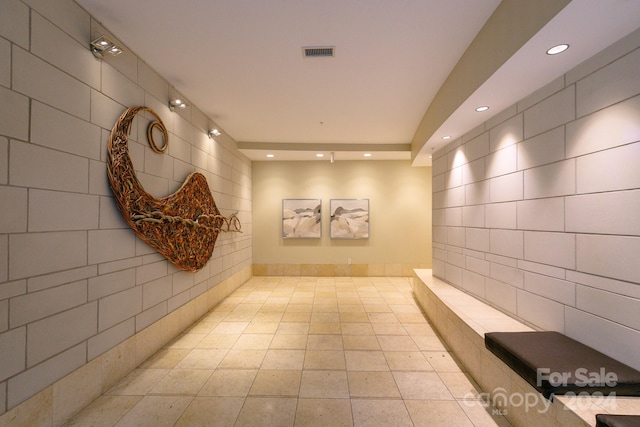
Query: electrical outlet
[(348, 260)]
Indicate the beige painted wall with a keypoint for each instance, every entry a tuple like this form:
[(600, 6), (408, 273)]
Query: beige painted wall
[(400, 208)]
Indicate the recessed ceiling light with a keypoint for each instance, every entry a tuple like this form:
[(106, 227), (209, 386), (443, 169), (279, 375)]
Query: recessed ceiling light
[(482, 108), (446, 137), (367, 154), (270, 156), (319, 155), (430, 156), (557, 49)]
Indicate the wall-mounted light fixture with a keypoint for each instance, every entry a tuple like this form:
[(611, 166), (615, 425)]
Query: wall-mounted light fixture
[(177, 103), (214, 132), (101, 45)]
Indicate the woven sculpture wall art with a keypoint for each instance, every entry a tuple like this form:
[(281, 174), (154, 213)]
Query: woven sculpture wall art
[(183, 226)]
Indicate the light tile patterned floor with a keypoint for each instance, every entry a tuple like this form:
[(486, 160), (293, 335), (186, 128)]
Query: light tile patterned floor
[(301, 352)]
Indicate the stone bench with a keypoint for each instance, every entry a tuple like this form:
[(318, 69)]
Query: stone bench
[(606, 420), (555, 364), (462, 322)]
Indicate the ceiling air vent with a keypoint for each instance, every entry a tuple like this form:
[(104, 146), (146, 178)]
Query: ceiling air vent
[(318, 51)]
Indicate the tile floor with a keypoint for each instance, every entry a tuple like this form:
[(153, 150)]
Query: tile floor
[(284, 351)]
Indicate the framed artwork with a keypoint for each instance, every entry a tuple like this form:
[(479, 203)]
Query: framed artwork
[(301, 218), (349, 218)]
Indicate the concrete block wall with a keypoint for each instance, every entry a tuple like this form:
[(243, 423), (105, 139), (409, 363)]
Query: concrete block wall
[(75, 281), (536, 210)]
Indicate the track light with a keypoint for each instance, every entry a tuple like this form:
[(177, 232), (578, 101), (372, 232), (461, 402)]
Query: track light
[(177, 103), (214, 132), (101, 45)]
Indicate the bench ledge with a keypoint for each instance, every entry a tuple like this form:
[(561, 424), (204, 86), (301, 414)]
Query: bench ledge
[(582, 407)]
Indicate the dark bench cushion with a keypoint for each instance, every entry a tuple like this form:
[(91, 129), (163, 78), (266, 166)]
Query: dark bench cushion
[(542, 357), (606, 420)]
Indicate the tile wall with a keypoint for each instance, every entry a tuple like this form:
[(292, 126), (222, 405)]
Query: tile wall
[(536, 210), (75, 281), (340, 270)]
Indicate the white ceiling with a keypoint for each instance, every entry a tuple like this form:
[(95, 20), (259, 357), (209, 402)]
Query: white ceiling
[(241, 63)]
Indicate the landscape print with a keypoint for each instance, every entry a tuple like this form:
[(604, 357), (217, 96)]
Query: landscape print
[(349, 218), (301, 218)]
